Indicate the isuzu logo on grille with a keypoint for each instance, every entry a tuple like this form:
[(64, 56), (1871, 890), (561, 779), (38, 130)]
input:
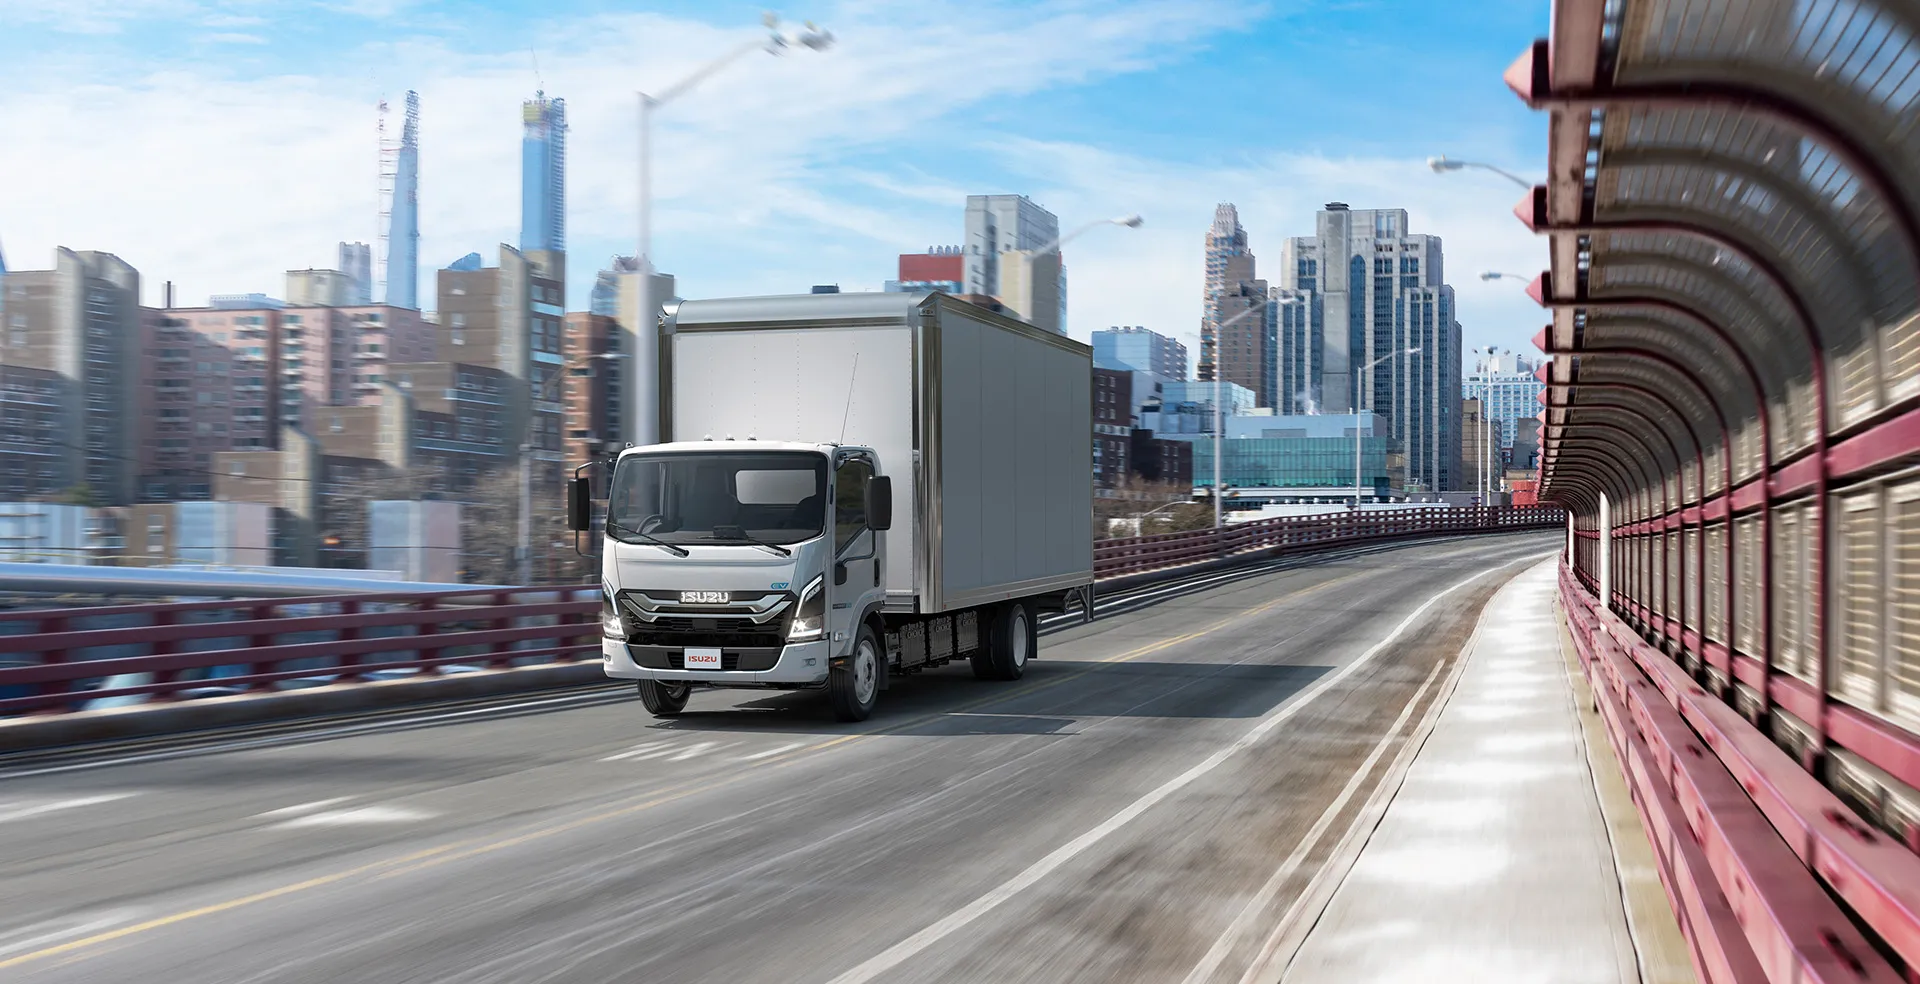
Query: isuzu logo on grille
[(704, 597)]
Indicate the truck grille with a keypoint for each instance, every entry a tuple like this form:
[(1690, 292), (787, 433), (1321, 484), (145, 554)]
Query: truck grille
[(678, 632)]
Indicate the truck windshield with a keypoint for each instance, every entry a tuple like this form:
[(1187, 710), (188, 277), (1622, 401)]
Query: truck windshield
[(702, 497)]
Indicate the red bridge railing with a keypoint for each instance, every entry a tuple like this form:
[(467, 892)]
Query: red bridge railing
[(1771, 875), (1113, 558), (55, 660)]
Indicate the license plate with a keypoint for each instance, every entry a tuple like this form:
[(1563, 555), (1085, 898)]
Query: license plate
[(702, 659), (703, 597)]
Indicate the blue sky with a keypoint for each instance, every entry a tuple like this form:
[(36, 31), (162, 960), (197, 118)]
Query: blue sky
[(217, 144)]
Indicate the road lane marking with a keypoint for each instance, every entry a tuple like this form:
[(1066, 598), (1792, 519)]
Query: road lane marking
[(476, 846), (356, 817), (769, 753), (299, 809), (695, 751), (17, 810), (639, 749), (52, 929), (913, 945), (1257, 905)]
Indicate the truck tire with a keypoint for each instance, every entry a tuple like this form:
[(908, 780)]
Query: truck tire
[(853, 683), (1010, 640), (664, 700)]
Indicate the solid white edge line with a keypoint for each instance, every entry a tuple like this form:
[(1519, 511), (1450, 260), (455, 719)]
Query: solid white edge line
[(904, 950), (1257, 904)]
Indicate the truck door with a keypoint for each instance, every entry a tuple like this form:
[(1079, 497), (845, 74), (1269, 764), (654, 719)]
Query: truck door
[(855, 578)]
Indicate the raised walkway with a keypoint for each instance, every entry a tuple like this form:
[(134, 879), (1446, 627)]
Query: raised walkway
[(1510, 851)]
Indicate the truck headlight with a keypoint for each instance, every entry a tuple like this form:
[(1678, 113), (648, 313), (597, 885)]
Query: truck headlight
[(612, 626), (810, 619)]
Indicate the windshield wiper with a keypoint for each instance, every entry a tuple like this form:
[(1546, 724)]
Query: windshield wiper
[(648, 538), (736, 533)]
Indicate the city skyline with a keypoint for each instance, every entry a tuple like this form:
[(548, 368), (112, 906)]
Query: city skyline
[(772, 153)]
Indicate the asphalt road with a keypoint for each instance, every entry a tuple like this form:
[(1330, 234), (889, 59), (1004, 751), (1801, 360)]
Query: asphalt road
[(1112, 817)]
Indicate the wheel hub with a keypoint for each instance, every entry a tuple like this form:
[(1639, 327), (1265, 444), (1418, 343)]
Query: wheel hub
[(863, 673)]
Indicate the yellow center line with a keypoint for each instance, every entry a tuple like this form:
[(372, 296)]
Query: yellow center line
[(476, 846)]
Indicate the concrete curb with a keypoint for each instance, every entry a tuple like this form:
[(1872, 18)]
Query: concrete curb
[(148, 720)]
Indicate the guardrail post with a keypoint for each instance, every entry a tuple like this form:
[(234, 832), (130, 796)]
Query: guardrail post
[(52, 624), (423, 651), (349, 673), (262, 613), (502, 658), (163, 647)]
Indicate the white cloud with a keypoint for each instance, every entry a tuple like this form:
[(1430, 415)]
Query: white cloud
[(233, 37), (222, 185)]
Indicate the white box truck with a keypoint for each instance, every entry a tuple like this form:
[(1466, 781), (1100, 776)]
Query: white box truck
[(851, 487)]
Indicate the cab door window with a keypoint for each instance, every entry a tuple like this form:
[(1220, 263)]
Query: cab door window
[(850, 502)]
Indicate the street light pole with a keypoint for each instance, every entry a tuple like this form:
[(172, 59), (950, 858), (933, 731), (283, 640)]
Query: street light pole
[(1219, 416), (1484, 370), (644, 415), (1129, 221), (1356, 421)]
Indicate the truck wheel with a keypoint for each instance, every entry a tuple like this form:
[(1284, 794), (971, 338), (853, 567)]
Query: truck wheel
[(853, 684), (664, 700), (1010, 639)]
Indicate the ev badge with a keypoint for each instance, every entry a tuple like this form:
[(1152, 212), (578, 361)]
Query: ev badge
[(779, 586)]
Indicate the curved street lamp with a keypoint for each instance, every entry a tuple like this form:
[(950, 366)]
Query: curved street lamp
[(643, 416), (1356, 418), (1497, 275), (1219, 413), (1129, 221), (1443, 164)]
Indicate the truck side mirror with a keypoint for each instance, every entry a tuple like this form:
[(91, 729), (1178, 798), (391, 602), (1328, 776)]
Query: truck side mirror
[(880, 503), (579, 505)]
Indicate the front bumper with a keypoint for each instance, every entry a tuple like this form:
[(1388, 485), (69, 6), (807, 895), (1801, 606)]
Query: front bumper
[(801, 664)]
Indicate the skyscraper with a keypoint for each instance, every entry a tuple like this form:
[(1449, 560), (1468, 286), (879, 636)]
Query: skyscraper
[(543, 174), (999, 224), (74, 332), (403, 219), (1237, 335), (356, 261), (1361, 293), (1141, 350)]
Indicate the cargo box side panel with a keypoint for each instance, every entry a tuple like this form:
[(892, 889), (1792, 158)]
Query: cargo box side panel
[(1066, 427), (793, 385), (1015, 463)]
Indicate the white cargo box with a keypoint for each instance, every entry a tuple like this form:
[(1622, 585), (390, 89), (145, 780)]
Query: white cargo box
[(984, 422)]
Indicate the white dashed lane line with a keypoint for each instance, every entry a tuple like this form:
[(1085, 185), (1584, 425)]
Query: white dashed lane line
[(12, 810), (676, 750)]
